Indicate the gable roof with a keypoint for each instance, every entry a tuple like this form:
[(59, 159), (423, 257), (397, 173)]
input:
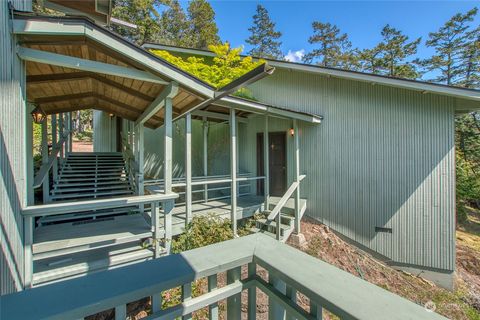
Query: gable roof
[(423, 86)]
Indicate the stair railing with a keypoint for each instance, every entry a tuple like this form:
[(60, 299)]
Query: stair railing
[(131, 166), (44, 171), (276, 215)]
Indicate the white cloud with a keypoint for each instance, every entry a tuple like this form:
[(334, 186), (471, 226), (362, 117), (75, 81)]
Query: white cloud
[(295, 56)]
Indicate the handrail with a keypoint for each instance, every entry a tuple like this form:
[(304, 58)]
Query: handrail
[(45, 168), (281, 203), (88, 205), (325, 286)]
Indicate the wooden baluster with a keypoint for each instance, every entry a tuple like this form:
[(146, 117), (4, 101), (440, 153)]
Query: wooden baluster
[(167, 224), (187, 295), (291, 294), (316, 310), (121, 312), (29, 226), (234, 303), (155, 228), (157, 302), (213, 308), (252, 293), (275, 311), (279, 225)]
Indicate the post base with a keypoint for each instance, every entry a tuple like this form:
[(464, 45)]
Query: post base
[(298, 239)]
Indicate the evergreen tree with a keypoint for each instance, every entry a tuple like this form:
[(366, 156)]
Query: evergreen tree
[(174, 26), (370, 60), (334, 47), (264, 38), (470, 61), (142, 13), (203, 29), (449, 43), (394, 51)]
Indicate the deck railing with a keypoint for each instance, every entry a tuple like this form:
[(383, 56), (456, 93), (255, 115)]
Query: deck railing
[(219, 183), (289, 274), (276, 215), (155, 201)]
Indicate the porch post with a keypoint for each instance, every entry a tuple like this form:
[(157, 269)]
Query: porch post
[(61, 134), (233, 169), (70, 134), (28, 221), (296, 175), (188, 168), (167, 173), (266, 167), (205, 157), (140, 158), (54, 145), (46, 181)]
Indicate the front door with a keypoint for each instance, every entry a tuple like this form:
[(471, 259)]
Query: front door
[(277, 163)]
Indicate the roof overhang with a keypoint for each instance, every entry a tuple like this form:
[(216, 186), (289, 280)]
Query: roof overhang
[(424, 87), (75, 64), (98, 10)]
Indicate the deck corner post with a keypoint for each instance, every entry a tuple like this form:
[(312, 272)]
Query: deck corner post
[(266, 167), (234, 303), (252, 293), (233, 169), (297, 176), (188, 168), (167, 173)]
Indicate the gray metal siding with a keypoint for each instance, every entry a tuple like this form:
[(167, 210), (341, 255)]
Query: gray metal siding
[(104, 132), (12, 155), (381, 157)]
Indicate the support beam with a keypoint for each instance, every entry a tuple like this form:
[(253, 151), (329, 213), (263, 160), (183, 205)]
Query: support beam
[(167, 173), (188, 168), (205, 157), (140, 159), (61, 125), (217, 115), (70, 132), (266, 166), (233, 169), (60, 60), (168, 93), (296, 175)]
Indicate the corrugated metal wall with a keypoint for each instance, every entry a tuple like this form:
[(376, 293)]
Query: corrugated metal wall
[(104, 132), (382, 157), (12, 154)]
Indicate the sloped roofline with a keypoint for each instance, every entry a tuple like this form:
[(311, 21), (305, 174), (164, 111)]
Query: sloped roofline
[(423, 86)]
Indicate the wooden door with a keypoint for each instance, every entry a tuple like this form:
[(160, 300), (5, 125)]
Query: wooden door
[(277, 163)]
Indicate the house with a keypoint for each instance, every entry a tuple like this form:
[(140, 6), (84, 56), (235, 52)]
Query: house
[(96, 241)]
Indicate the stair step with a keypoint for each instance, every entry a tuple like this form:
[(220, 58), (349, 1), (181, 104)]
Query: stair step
[(272, 227), (73, 237), (268, 233), (85, 216), (67, 189), (92, 195), (53, 269), (93, 179), (86, 184)]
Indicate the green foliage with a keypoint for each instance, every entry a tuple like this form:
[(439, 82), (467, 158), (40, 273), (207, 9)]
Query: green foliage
[(226, 66), (202, 231), (174, 26), (335, 50), (264, 38)]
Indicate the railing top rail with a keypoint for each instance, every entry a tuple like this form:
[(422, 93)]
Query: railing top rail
[(338, 291), (87, 205)]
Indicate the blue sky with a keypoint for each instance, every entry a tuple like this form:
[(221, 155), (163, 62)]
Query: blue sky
[(361, 20)]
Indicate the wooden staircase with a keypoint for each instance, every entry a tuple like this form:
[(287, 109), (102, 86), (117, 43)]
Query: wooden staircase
[(75, 244), (287, 220), (91, 176)]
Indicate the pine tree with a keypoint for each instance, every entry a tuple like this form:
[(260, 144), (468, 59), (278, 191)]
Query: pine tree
[(395, 51), (203, 29), (264, 38), (174, 26), (449, 43), (334, 47), (470, 61), (370, 60), (143, 14)]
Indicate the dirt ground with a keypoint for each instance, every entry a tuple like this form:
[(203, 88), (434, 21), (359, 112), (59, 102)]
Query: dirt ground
[(82, 146)]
